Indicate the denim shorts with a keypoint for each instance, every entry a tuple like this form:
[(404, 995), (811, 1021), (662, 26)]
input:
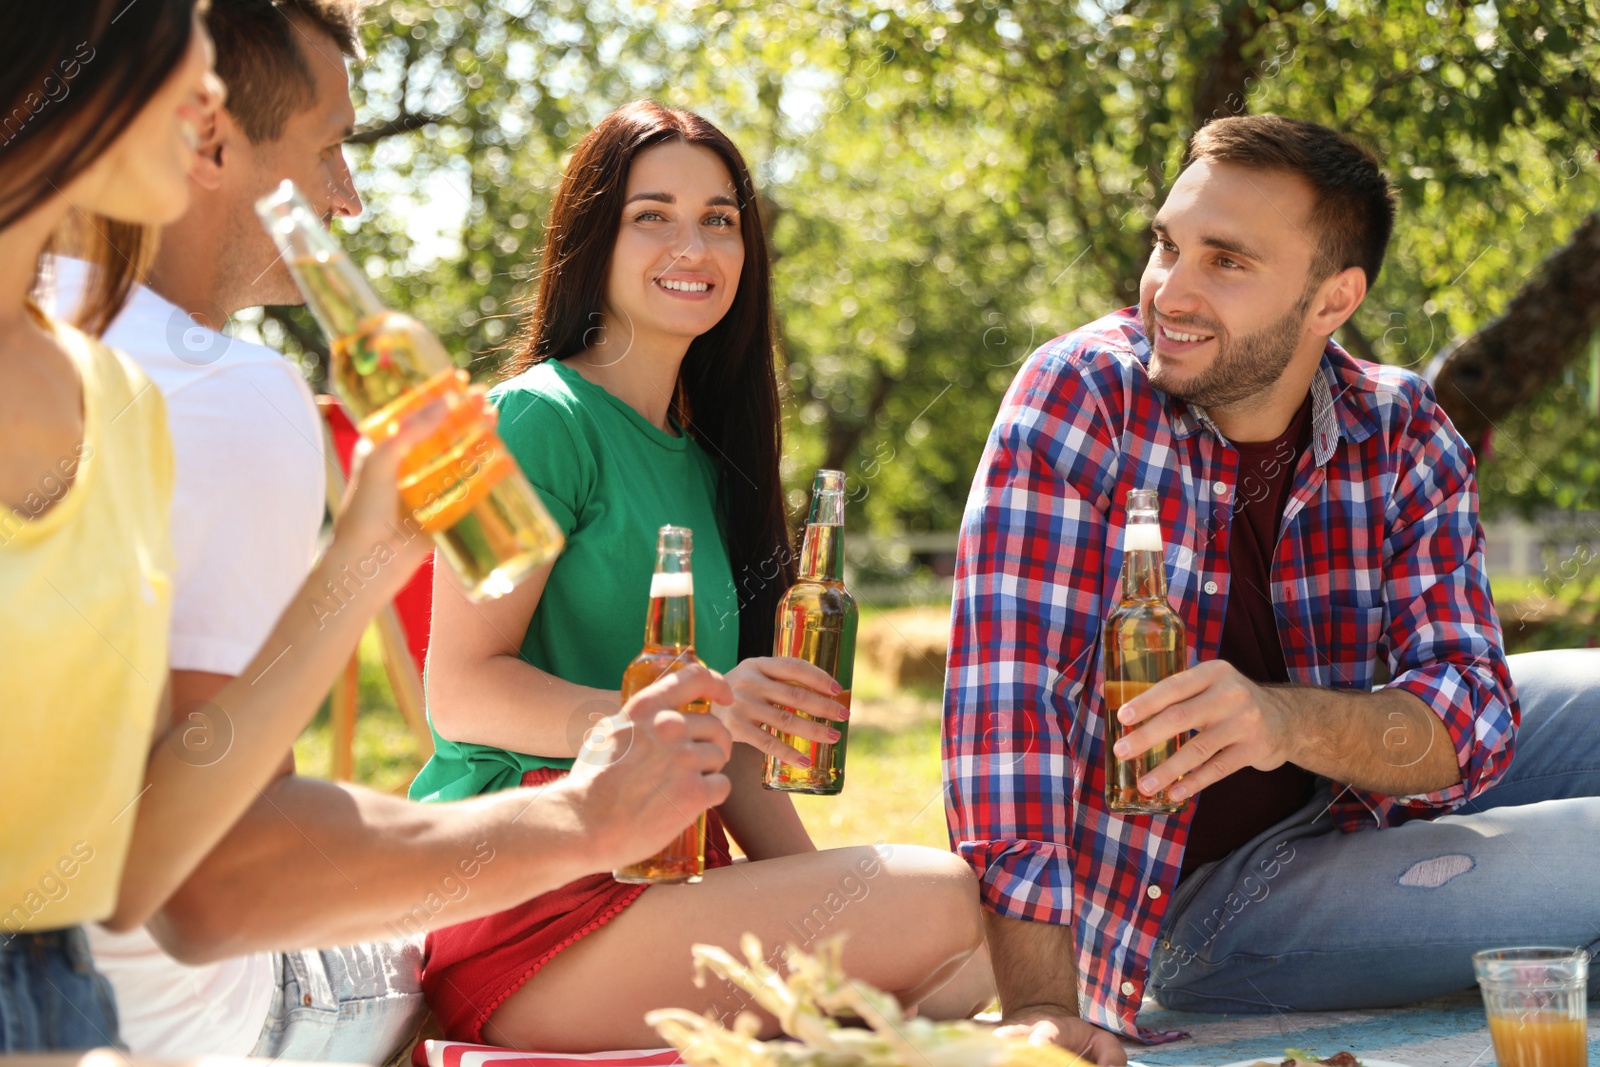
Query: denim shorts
[(359, 1004), (51, 997)]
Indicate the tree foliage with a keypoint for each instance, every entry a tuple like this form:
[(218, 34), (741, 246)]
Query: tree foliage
[(949, 184)]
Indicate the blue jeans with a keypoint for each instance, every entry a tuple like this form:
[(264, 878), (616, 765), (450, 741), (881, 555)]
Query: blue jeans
[(1305, 918), (355, 1005), (51, 997)]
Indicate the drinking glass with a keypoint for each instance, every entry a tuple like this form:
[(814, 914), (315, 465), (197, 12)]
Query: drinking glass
[(1536, 1004)]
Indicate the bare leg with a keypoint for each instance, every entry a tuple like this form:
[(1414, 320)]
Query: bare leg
[(911, 914), (965, 995)]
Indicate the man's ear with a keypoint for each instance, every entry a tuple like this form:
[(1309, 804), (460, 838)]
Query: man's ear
[(218, 141), (1337, 299)]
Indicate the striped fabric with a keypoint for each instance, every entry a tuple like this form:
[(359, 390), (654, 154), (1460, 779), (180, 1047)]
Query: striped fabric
[(1379, 567), (464, 1054)]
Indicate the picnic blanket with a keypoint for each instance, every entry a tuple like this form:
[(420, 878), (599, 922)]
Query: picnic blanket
[(463, 1054), (1449, 1031), (1446, 1032)]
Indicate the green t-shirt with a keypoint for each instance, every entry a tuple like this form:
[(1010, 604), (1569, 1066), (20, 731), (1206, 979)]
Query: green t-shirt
[(610, 480)]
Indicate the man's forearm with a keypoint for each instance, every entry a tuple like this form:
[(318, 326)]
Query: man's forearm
[(1386, 742), (188, 803), (316, 863), (1035, 966)]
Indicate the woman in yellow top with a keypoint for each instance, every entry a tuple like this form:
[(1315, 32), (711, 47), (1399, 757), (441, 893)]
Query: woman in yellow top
[(101, 817)]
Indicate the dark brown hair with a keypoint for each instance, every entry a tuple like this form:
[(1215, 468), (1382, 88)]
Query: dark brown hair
[(262, 59), (1355, 205), (727, 396), (73, 75)]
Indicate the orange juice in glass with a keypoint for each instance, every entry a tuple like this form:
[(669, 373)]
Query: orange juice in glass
[(1536, 1004)]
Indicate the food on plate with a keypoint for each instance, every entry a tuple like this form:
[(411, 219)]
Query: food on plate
[(821, 1009), (1300, 1058)]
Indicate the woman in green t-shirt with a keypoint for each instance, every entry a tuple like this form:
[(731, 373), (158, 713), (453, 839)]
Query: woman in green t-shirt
[(644, 393)]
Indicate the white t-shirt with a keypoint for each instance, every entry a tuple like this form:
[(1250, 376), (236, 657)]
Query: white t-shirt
[(246, 515)]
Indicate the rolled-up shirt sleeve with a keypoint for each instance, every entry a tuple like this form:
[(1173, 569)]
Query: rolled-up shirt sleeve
[(1443, 640), (1024, 629)]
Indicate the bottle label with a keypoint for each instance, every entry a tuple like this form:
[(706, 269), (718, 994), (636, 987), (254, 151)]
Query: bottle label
[(662, 585), (1141, 537), (448, 473)]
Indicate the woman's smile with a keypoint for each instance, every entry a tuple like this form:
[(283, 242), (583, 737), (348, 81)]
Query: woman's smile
[(685, 286)]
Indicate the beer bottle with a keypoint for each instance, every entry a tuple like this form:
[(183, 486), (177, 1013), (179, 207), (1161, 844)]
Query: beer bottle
[(669, 647), (461, 484), (817, 623), (1144, 642)]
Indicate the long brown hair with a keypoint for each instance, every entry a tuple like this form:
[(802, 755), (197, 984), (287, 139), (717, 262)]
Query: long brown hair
[(727, 396), (73, 74)]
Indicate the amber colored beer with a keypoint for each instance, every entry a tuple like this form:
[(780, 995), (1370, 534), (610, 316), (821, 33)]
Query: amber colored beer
[(1539, 1039), (1145, 642), (668, 648), (1122, 775), (461, 484), (817, 623)]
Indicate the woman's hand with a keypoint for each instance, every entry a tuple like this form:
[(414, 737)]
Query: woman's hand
[(374, 528), (767, 692)]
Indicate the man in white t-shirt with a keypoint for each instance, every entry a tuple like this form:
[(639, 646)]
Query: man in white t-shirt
[(313, 862)]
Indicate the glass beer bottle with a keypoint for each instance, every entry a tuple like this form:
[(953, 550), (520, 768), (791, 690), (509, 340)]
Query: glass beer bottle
[(817, 623), (462, 484), (669, 647), (1145, 642)]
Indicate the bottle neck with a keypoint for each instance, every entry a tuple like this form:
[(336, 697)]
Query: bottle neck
[(822, 553), (670, 622), (339, 296), (1144, 575)]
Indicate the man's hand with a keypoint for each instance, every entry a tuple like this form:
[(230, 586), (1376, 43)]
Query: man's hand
[(1386, 741), (1237, 724), (1044, 1026), (1037, 980), (644, 774)]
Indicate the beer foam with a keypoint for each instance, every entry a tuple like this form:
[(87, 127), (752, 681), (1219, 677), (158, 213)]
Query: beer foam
[(671, 585), (1141, 537)]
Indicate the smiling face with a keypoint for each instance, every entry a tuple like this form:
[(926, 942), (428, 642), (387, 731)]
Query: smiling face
[(144, 176), (675, 266), (1228, 294)]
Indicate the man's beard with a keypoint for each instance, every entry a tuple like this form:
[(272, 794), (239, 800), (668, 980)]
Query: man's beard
[(1245, 367)]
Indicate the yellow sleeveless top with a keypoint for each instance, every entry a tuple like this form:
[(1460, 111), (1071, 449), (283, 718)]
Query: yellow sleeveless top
[(85, 596)]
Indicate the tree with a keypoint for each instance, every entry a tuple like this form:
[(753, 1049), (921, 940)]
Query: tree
[(948, 184)]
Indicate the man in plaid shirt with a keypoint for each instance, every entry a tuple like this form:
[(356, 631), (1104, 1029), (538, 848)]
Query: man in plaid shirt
[(1346, 676)]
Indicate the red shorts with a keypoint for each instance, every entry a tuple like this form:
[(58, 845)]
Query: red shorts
[(474, 966)]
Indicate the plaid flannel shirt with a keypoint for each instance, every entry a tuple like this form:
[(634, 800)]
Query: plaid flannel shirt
[(1380, 558)]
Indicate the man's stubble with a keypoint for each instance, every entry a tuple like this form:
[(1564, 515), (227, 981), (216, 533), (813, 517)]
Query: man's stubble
[(1245, 368)]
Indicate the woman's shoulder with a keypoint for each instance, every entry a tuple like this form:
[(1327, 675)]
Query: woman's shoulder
[(546, 385), (124, 396), (540, 401), (105, 369)]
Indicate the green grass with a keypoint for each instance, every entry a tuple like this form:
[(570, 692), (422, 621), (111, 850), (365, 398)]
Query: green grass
[(385, 753), (892, 790)]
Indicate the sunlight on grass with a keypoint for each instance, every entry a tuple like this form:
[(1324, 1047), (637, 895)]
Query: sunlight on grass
[(892, 790), (385, 752)]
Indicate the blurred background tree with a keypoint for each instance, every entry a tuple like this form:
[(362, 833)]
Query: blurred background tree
[(950, 184)]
